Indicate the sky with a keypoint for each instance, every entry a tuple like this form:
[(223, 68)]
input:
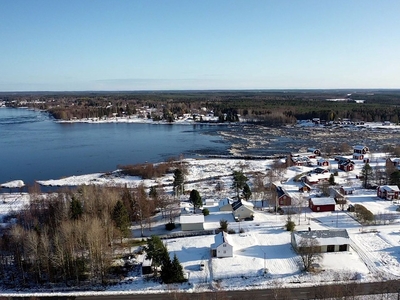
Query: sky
[(96, 45)]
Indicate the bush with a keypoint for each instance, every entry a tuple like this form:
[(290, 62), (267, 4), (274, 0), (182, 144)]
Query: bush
[(205, 212), (363, 214), (231, 231), (147, 170), (223, 225), (290, 225), (170, 226)]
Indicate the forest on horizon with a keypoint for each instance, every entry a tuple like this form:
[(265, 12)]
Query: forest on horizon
[(268, 107)]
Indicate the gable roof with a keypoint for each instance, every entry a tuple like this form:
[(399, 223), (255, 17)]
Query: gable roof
[(281, 191), (324, 237), (221, 238), (389, 188), (236, 205), (360, 147), (323, 201), (191, 219)]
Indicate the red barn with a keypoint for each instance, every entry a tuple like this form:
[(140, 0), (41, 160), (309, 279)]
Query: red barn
[(322, 204)]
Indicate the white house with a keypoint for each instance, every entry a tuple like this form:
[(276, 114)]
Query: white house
[(192, 222), (242, 209), (222, 246)]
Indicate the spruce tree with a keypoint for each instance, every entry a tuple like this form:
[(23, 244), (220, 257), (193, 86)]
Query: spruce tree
[(75, 209), (166, 268), (177, 270), (195, 199), (246, 191), (120, 217)]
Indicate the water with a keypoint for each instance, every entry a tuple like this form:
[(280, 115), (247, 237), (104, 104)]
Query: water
[(34, 147)]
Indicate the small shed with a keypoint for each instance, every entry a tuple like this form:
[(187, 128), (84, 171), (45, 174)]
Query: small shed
[(319, 204), (323, 162), (360, 149), (192, 222), (333, 240), (222, 246), (147, 267), (346, 190), (314, 151), (346, 165)]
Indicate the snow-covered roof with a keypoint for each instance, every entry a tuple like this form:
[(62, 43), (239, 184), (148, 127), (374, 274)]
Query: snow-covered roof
[(323, 201), (390, 188), (360, 147), (315, 177), (191, 219), (221, 238), (241, 202), (225, 201), (347, 188), (324, 237)]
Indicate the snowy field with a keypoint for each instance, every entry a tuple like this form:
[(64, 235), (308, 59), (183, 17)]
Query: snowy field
[(263, 255)]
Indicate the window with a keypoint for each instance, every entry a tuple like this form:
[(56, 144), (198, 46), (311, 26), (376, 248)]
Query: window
[(343, 247), (318, 208), (224, 252), (330, 248), (224, 245)]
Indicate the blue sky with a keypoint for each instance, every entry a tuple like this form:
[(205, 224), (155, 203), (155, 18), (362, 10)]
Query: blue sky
[(67, 45)]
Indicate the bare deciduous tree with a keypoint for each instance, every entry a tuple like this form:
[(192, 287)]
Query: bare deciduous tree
[(309, 250)]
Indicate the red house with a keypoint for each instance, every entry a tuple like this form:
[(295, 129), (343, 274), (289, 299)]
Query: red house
[(360, 149), (322, 204), (358, 156), (393, 162), (323, 162), (283, 198), (388, 192), (346, 165)]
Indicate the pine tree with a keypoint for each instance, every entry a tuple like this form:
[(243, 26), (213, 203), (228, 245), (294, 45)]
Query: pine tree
[(239, 180), (177, 270), (366, 172), (166, 268), (179, 180), (121, 218), (246, 191), (75, 209), (155, 250), (195, 199)]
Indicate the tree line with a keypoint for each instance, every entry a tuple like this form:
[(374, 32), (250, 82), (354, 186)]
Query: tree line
[(72, 237), (265, 107)]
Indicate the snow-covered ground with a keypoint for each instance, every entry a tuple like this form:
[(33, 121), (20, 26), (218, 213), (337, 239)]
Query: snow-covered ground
[(264, 244)]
